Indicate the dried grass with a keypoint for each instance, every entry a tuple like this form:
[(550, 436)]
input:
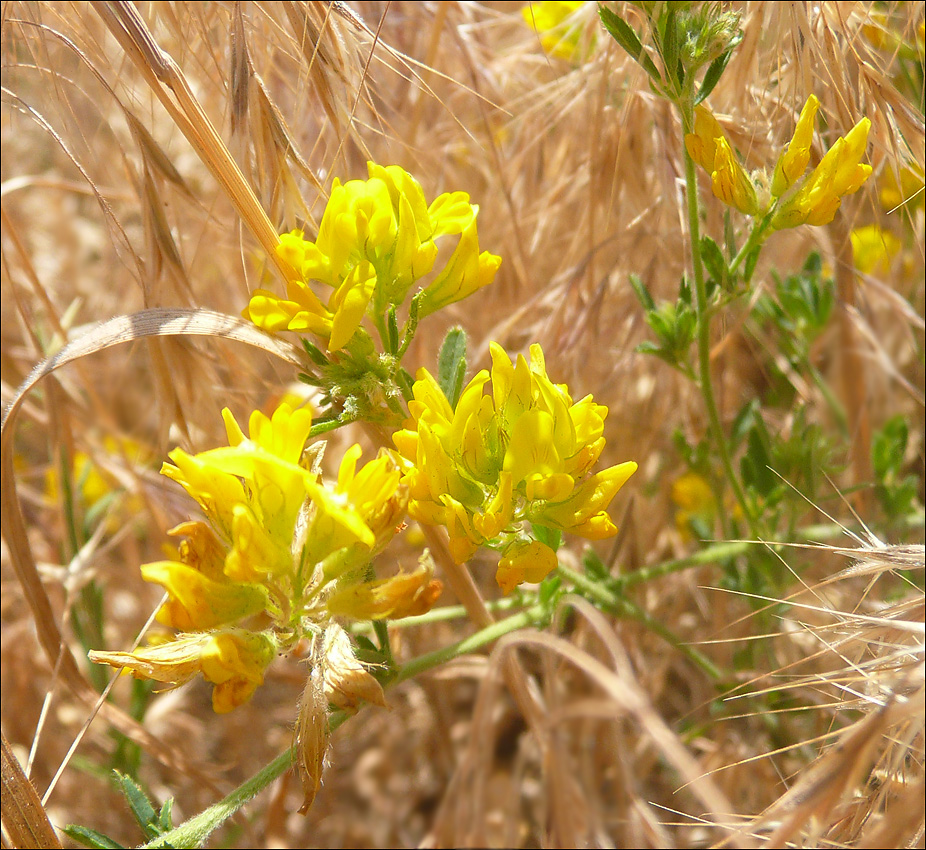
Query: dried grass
[(150, 155)]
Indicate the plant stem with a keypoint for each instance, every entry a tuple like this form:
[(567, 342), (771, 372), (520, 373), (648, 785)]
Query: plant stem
[(703, 321), (327, 425), (531, 617), (755, 237), (612, 603)]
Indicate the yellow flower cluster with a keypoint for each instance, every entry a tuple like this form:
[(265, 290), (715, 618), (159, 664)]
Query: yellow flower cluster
[(376, 240), (521, 455), (793, 200), (281, 554)]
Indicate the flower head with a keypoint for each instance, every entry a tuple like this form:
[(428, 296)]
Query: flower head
[(709, 148), (498, 462), (234, 660), (377, 239), (278, 546), (839, 173), (793, 198), (874, 249), (793, 161)]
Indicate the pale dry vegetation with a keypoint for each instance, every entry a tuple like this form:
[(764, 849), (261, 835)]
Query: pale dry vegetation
[(131, 183)]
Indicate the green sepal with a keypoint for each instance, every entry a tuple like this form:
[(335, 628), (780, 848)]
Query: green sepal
[(712, 76), (451, 365)]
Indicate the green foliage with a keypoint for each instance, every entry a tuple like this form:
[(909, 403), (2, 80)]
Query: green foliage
[(451, 365), (87, 837), (675, 326), (895, 491), (799, 309), (686, 37), (152, 821), (627, 38)]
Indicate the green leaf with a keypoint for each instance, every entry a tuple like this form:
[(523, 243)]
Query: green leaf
[(744, 421), (712, 76), (751, 259), (552, 537), (315, 354), (642, 292), (144, 811), (392, 330), (648, 347), (451, 365), (713, 261), (729, 236), (624, 35), (669, 26), (549, 589), (888, 447), (594, 567), (757, 461), (90, 838), (662, 322), (166, 816), (364, 644)]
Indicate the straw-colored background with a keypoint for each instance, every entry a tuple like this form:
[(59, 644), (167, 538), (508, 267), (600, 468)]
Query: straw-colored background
[(109, 207)]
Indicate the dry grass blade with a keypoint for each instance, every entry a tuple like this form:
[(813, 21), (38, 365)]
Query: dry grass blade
[(863, 780), (174, 92), (24, 818)]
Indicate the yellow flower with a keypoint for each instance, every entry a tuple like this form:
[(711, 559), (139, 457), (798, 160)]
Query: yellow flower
[(356, 520), (197, 602), (402, 595), (814, 201), (839, 173), (907, 190), (497, 462), (466, 271), (524, 561), (560, 32), (695, 501), (234, 660), (93, 486), (873, 249), (792, 163), (377, 238), (730, 183), (879, 32), (277, 543), (709, 148), (702, 143)]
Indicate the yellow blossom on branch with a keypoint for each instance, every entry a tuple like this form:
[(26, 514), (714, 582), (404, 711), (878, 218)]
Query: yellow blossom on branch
[(839, 173), (709, 148), (874, 249), (377, 239), (792, 163), (278, 548), (401, 595), (234, 660), (792, 198), (521, 456)]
